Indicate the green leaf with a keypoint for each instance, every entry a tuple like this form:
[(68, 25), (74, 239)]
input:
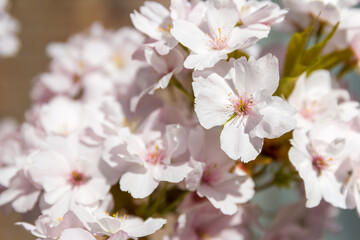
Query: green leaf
[(286, 86), (311, 54), (295, 50), (330, 60)]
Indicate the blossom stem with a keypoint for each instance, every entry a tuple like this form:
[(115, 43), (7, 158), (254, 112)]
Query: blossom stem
[(179, 86)]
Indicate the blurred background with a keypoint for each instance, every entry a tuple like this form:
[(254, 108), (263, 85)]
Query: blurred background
[(45, 21)]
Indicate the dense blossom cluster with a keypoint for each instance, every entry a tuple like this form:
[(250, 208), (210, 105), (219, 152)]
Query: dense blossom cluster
[(187, 116)]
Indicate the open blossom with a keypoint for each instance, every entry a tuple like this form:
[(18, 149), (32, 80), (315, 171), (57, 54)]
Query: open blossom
[(215, 176), (154, 20), (165, 66), (148, 158), (118, 227), (70, 173), (315, 95), (219, 36), (244, 105), (259, 12), (68, 227), (317, 155)]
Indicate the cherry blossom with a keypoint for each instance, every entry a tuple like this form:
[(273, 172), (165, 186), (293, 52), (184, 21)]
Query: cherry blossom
[(214, 41), (317, 155), (244, 105), (118, 226), (315, 95), (147, 159), (77, 179), (68, 227), (215, 176)]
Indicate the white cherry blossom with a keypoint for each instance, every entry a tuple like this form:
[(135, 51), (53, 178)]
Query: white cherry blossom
[(145, 160), (118, 227), (219, 36), (244, 105), (215, 176)]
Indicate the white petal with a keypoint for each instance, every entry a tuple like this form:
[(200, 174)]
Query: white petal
[(76, 234), (190, 36), (148, 227), (200, 61), (277, 119), (212, 104), (138, 185), (256, 75), (242, 38), (171, 173), (238, 145)]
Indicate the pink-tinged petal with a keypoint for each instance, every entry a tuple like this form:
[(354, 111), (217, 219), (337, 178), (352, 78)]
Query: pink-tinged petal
[(43, 171), (239, 145), (120, 235), (171, 173), (223, 18), (180, 9), (144, 25), (6, 173), (76, 234), (193, 179), (190, 36), (212, 104), (134, 102), (312, 189), (331, 190), (277, 119), (242, 38), (157, 62), (64, 204), (9, 195), (120, 150), (164, 46), (320, 79), (30, 228), (139, 228), (137, 184), (108, 223), (204, 60), (53, 196), (162, 83), (155, 11), (217, 199), (255, 75), (298, 158), (298, 93), (266, 13), (92, 191)]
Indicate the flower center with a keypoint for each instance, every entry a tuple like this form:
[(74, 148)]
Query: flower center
[(309, 110), (209, 175), (118, 61), (219, 41), (319, 163), (241, 104), (77, 178), (155, 155)]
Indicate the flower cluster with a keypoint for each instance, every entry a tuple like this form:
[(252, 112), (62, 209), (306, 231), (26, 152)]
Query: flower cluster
[(187, 116)]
